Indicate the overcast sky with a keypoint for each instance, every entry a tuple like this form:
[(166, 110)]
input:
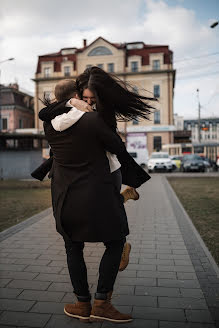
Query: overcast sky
[(30, 28)]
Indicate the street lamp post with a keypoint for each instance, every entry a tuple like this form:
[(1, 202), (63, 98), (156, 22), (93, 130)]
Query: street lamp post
[(199, 114), (1, 62), (214, 24)]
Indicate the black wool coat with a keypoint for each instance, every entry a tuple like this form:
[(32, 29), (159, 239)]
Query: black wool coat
[(86, 205), (132, 174)]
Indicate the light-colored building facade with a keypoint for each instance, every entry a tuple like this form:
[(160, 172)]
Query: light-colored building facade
[(209, 130), (179, 122), (186, 137), (148, 68)]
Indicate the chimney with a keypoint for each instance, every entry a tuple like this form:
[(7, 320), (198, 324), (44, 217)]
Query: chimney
[(85, 42), (14, 86)]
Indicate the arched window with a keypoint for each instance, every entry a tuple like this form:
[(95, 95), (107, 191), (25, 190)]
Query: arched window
[(100, 51)]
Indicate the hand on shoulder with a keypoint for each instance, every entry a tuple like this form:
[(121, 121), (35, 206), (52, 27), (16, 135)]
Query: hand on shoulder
[(81, 105)]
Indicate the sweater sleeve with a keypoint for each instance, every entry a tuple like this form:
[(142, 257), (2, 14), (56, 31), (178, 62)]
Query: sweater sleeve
[(64, 121)]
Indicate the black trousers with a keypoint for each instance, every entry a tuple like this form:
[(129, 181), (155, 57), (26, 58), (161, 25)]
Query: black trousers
[(109, 265), (108, 268)]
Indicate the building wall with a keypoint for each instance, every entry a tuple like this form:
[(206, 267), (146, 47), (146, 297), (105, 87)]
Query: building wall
[(166, 138), (14, 115), (117, 58), (15, 106), (142, 81), (209, 129), (41, 88)]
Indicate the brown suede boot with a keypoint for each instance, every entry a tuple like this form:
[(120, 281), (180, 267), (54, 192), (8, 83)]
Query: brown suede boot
[(79, 310), (125, 256), (130, 193), (102, 309)]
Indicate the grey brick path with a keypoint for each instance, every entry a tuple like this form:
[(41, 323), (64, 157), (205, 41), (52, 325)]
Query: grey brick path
[(170, 282)]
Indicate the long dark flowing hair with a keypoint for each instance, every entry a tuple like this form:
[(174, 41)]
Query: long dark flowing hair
[(114, 97)]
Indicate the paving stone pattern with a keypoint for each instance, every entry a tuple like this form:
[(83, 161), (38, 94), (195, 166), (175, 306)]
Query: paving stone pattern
[(161, 287)]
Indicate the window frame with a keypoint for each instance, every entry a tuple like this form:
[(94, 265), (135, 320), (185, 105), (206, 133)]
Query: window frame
[(67, 71), (47, 71), (113, 67), (21, 123), (157, 117), (2, 124), (157, 65), (157, 144), (47, 95), (157, 92), (135, 121), (134, 66)]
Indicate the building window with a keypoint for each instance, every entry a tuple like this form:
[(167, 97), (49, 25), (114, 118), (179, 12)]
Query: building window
[(100, 65), (134, 66), (157, 143), (110, 67), (47, 95), (4, 124), (156, 91), (157, 117), (135, 121), (135, 89), (156, 64), (100, 51), (20, 123), (47, 71), (67, 71)]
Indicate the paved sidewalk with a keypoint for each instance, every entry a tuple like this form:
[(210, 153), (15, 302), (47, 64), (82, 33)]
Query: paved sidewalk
[(171, 281)]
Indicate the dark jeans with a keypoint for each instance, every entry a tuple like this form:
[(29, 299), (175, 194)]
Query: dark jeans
[(109, 265), (108, 268)]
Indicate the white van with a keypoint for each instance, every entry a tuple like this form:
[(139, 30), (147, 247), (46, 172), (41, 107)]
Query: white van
[(137, 147)]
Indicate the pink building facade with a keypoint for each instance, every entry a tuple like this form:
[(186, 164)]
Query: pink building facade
[(16, 109)]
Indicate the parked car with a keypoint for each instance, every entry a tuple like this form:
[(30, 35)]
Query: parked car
[(176, 160), (217, 163), (160, 161), (208, 163), (192, 163)]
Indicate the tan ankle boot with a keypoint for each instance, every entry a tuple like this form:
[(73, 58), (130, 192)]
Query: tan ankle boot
[(130, 193), (104, 310), (125, 256), (79, 310)]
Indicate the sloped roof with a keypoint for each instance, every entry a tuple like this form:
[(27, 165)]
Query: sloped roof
[(147, 49), (12, 96)]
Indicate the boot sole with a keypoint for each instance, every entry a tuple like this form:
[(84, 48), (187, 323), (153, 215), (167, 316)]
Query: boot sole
[(129, 250), (83, 319), (95, 318)]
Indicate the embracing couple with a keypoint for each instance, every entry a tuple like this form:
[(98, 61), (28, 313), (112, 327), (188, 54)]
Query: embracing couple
[(88, 165)]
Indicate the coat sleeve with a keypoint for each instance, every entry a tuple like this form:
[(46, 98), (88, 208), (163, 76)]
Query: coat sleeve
[(132, 174), (40, 172), (50, 112)]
